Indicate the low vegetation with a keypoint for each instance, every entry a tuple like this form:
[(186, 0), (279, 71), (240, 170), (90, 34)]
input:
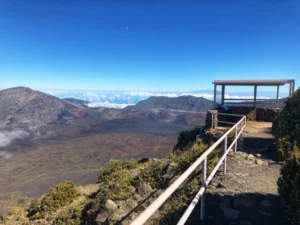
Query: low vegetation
[(187, 138), (125, 188), (59, 196), (286, 129)]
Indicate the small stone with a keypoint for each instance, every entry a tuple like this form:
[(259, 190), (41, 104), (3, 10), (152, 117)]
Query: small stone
[(110, 205), (241, 174), (266, 203), (250, 157), (210, 189), (258, 155), (127, 222), (231, 214), (259, 162), (243, 154), (101, 218)]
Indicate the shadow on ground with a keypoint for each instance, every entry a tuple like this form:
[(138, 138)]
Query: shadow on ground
[(264, 146), (242, 209)]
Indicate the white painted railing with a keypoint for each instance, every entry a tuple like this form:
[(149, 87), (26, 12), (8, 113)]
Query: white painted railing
[(148, 212)]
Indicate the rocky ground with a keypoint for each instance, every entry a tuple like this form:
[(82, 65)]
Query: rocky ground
[(247, 195)]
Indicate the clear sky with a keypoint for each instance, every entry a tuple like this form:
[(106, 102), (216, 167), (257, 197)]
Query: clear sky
[(146, 45)]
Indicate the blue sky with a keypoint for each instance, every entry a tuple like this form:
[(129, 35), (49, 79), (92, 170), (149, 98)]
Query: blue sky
[(146, 45)]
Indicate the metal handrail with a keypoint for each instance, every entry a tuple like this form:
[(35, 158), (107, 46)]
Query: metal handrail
[(148, 212)]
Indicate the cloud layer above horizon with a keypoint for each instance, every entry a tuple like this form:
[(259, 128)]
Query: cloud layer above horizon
[(118, 99)]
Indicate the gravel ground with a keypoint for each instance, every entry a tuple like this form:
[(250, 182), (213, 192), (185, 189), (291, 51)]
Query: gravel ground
[(247, 195)]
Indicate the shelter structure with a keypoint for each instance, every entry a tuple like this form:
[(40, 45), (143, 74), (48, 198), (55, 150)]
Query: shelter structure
[(255, 83)]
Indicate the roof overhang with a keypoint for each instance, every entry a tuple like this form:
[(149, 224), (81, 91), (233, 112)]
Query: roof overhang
[(253, 82)]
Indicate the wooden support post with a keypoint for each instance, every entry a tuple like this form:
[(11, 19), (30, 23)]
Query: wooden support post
[(293, 87), (223, 94), (277, 97), (255, 94), (290, 90), (215, 93)]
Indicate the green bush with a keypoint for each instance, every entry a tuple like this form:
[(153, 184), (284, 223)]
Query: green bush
[(289, 189), (152, 174), (58, 196), (187, 138), (70, 215), (286, 127), (115, 166), (115, 186)]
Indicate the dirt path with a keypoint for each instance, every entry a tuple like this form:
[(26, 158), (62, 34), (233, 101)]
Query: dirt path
[(247, 195)]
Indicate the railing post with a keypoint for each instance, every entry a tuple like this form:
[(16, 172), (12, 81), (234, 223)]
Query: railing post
[(225, 160), (203, 184), (241, 126), (235, 145)]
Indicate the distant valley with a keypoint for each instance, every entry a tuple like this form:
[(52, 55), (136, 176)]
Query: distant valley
[(45, 140)]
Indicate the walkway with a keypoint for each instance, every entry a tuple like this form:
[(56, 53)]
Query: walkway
[(247, 195)]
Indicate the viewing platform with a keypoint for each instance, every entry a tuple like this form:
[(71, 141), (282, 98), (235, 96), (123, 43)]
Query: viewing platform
[(255, 101)]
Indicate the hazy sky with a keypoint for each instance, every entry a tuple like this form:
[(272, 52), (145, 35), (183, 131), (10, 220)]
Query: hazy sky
[(146, 45)]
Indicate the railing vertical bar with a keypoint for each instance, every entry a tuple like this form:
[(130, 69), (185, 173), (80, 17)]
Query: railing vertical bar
[(235, 146), (203, 184), (241, 125), (225, 160), (150, 210)]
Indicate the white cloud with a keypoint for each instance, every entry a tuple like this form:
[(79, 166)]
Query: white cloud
[(149, 94), (207, 96), (139, 93), (91, 94), (7, 137), (244, 97), (107, 104)]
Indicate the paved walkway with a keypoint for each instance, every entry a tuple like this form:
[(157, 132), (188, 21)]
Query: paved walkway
[(247, 195)]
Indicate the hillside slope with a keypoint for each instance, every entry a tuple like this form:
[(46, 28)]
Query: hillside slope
[(23, 107), (184, 103)]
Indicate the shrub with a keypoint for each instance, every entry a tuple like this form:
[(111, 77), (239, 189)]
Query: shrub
[(187, 137), (70, 215), (286, 127), (115, 185), (115, 166), (58, 196), (289, 189), (152, 174)]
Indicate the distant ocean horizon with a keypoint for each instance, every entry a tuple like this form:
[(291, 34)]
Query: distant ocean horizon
[(121, 99)]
